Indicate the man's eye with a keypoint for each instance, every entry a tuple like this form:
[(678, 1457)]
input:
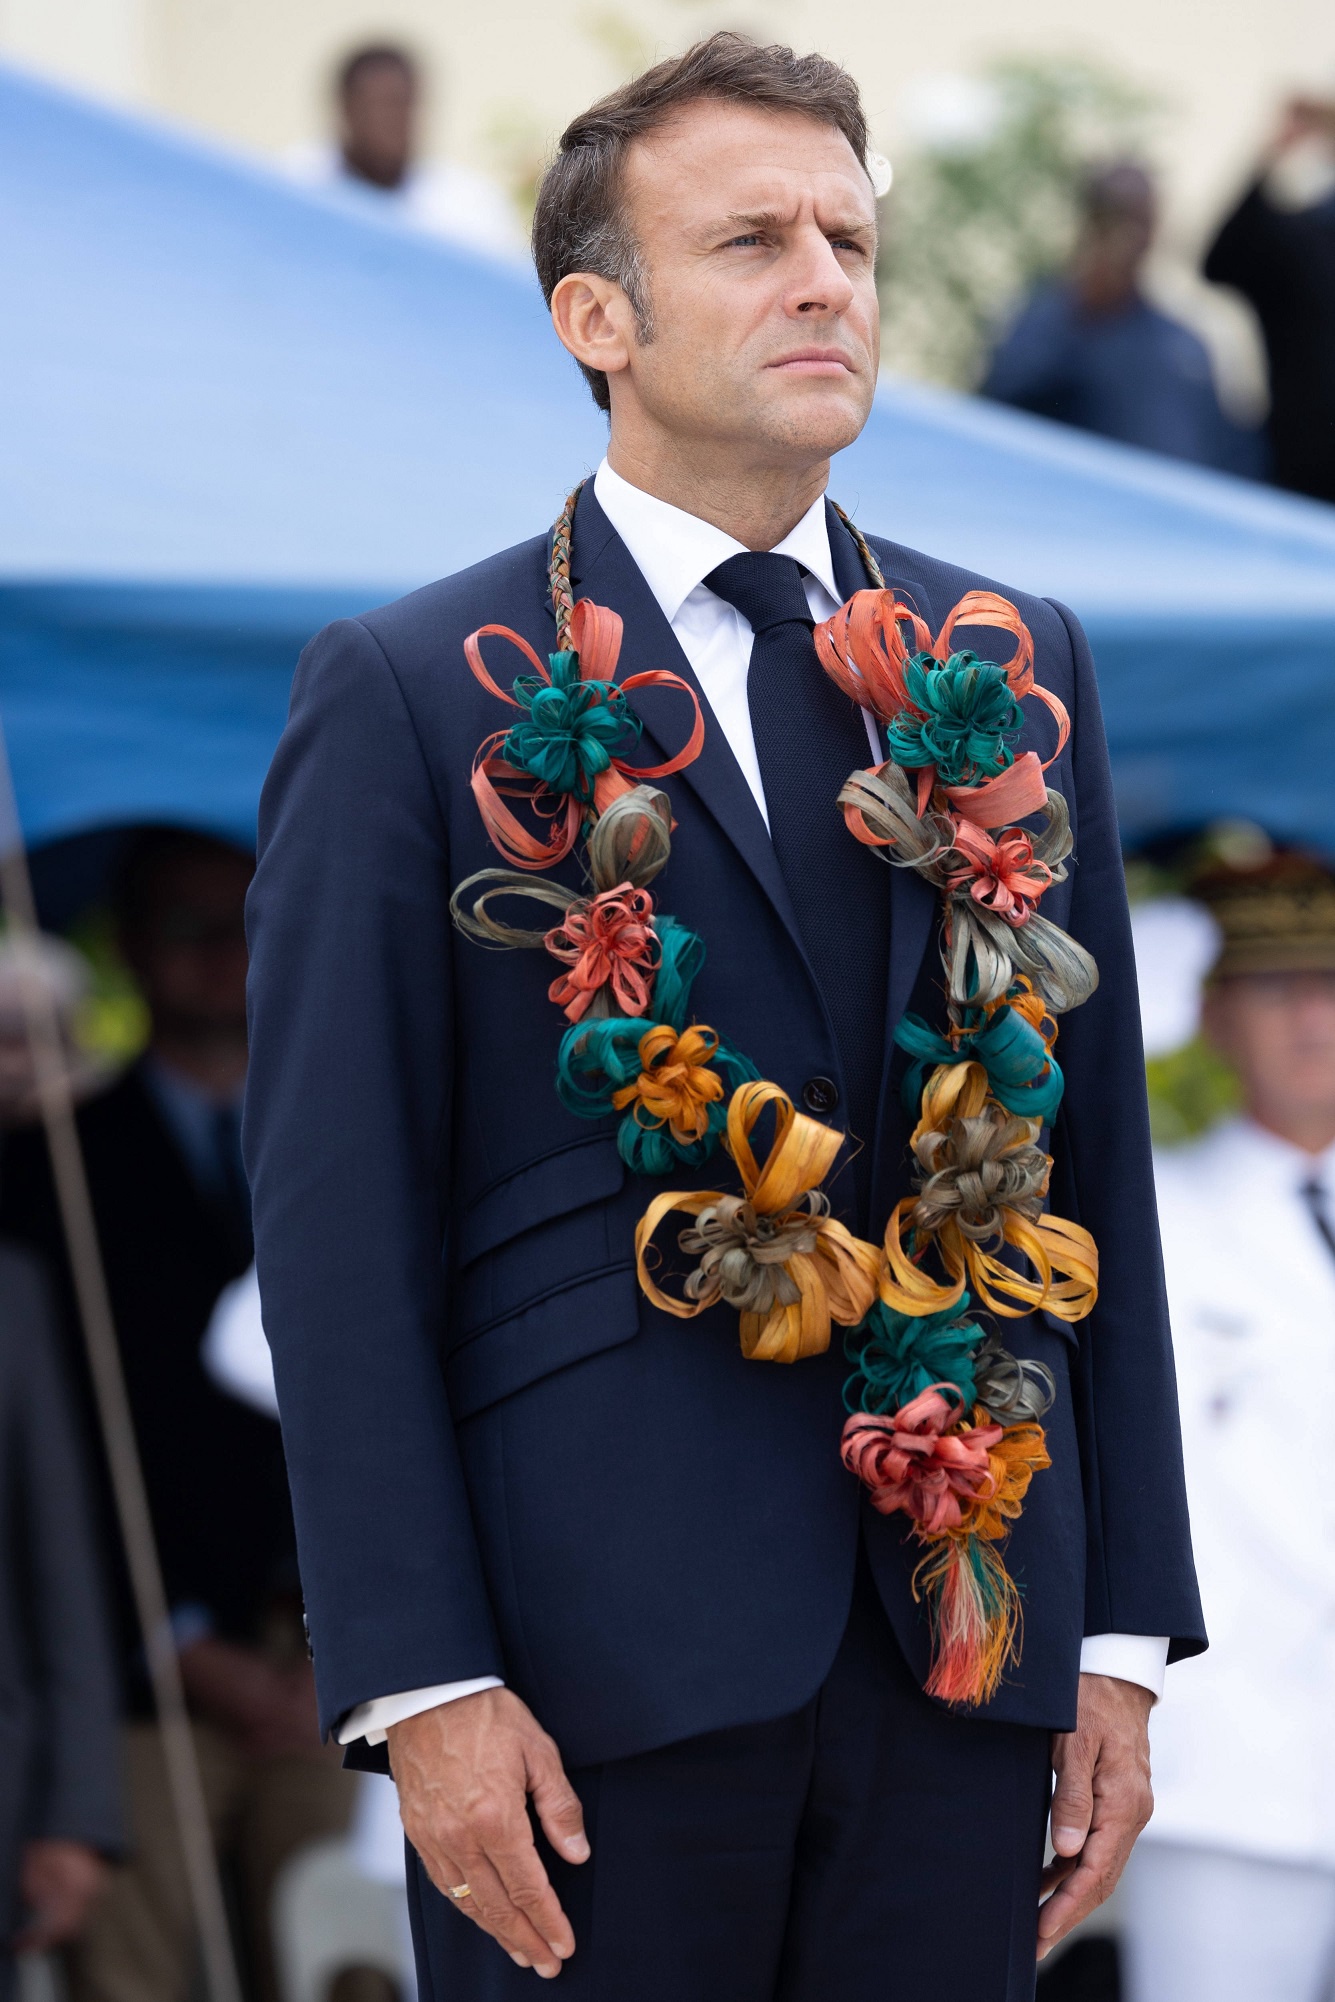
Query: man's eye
[(750, 237)]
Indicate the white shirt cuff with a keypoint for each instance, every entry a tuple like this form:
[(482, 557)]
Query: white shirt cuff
[(372, 1720), (1141, 1658)]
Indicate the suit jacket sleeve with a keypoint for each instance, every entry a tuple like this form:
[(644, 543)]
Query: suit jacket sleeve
[(76, 1794), (1140, 1575), (347, 1136)]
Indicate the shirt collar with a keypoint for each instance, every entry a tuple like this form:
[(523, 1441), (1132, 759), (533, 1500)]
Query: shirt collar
[(1271, 1156), (675, 551)]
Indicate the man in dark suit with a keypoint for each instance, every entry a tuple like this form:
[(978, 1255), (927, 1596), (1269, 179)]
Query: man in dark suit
[(555, 1546), (1277, 248), (60, 1810), (162, 1150)]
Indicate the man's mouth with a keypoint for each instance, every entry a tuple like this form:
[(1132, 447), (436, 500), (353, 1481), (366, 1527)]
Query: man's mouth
[(814, 361)]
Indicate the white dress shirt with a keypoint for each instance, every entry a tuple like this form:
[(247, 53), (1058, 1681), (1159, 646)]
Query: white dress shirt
[(441, 198), (675, 552)]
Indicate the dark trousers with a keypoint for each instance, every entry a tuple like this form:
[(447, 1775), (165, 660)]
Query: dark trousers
[(869, 1848)]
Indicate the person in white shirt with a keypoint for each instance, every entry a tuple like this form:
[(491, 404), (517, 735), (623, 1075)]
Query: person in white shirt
[(1231, 1892), (374, 160)]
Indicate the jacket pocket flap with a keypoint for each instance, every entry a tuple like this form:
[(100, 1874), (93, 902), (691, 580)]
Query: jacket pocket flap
[(574, 1321), (587, 1170)]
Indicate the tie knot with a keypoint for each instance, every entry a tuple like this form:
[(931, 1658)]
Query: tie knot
[(766, 589)]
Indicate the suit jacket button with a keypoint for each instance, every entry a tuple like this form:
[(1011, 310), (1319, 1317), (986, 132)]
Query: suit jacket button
[(820, 1094)]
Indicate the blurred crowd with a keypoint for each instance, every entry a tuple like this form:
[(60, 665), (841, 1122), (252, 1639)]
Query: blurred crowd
[(1232, 1893), (93, 1850), (1090, 349)]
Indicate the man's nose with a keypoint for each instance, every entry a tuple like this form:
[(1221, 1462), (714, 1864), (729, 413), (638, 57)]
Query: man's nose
[(819, 284)]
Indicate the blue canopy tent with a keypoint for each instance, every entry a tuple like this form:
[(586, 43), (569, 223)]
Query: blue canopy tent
[(232, 411)]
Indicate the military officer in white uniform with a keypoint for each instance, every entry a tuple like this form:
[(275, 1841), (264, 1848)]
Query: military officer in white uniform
[(1230, 1895)]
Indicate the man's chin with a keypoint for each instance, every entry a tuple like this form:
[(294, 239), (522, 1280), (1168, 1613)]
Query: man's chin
[(816, 417)]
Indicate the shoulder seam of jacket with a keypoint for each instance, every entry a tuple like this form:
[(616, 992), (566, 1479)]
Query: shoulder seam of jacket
[(399, 690)]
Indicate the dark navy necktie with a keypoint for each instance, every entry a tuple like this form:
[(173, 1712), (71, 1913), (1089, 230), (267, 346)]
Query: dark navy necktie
[(1314, 1195), (808, 738)]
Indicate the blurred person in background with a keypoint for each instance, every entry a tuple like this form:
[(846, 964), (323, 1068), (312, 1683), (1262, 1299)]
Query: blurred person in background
[(378, 94), (1088, 349), (1231, 1890), (59, 1786), (1278, 250), (60, 1811), (162, 1148)]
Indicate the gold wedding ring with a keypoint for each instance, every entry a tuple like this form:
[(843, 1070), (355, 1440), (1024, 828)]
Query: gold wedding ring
[(460, 1891)]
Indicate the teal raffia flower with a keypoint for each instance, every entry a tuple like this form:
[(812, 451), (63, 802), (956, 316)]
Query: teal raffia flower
[(898, 1356), (571, 730), (967, 720)]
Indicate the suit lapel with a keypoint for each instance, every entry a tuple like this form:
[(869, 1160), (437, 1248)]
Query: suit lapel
[(602, 569)]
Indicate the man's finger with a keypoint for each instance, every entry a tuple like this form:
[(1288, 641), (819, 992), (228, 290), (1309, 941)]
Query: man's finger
[(488, 1906), (529, 1890), (558, 1805), (516, 1930), (1088, 1880), (1073, 1800), (1054, 1873), (1083, 1892)]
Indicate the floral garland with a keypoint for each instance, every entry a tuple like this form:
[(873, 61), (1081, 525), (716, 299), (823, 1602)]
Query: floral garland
[(944, 1423)]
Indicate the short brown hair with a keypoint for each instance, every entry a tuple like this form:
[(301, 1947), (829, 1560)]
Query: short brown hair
[(372, 56), (579, 223)]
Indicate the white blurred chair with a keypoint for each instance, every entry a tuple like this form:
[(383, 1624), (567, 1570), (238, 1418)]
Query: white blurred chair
[(327, 1916)]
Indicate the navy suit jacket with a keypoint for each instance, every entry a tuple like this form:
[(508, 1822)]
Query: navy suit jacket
[(503, 1459)]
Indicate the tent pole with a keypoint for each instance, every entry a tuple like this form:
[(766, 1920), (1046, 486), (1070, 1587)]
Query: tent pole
[(113, 1409)]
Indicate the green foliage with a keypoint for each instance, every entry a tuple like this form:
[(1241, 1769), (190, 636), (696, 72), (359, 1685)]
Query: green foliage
[(112, 1021), (1189, 1090), (972, 225)]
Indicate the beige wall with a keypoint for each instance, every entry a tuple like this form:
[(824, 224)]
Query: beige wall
[(254, 70)]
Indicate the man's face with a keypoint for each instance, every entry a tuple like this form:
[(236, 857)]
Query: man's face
[(378, 123), (758, 233), (189, 950), (1278, 1032)]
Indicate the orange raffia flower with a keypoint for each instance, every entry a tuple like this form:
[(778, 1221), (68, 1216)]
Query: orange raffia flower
[(915, 1461), (590, 650), (612, 950), (863, 650), (1002, 874), (676, 1085), (962, 1484), (1013, 1459), (774, 1253)]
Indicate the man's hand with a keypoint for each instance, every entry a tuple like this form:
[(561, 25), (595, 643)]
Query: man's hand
[(1102, 1801), (59, 1883), (464, 1772), (270, 1710)]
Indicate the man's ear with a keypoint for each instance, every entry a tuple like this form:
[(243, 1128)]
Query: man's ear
[(594, 321)]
